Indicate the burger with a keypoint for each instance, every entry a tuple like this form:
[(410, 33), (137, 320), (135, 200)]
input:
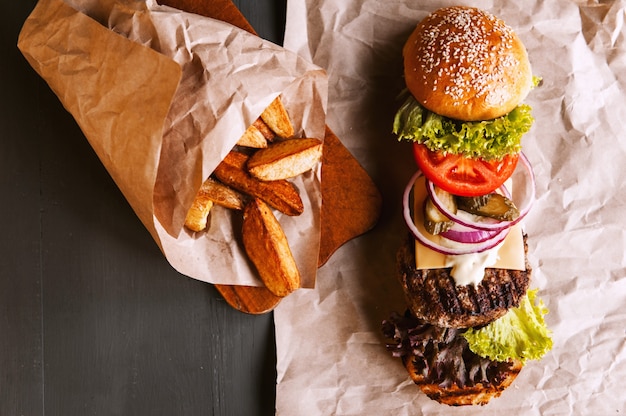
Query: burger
[(471, 322)]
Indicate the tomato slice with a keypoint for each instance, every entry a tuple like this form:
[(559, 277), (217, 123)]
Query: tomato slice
[(464, 176)]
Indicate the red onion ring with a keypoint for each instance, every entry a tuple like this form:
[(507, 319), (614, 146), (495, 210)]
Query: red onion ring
[(523, 197), (460, 248), (462, 234)]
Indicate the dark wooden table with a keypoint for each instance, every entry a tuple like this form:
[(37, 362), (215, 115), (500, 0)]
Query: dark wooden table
[(93, 320)]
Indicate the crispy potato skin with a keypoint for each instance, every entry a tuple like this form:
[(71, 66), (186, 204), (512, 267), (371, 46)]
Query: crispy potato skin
[(268, 249), (280, 194), (223, 195), (264, 129)]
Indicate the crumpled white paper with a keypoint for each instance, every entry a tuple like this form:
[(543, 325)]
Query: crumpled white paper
[(330, 351)]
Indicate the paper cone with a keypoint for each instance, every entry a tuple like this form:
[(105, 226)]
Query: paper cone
[(162, 96)]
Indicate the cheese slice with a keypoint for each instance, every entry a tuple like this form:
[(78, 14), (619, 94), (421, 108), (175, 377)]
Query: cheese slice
[(510, 252)]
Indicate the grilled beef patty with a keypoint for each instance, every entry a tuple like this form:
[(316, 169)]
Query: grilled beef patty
[(432, 294)]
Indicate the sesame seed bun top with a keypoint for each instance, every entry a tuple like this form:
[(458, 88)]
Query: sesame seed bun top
[(466, 64)]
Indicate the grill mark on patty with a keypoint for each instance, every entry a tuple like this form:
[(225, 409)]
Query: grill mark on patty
[(481, 298), (447, 293), (468, 298)]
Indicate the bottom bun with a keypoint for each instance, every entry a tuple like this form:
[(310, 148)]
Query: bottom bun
[(453, 395), (440, 361)]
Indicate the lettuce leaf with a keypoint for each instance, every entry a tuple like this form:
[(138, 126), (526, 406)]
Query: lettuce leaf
[(520, 334), (489, 140)]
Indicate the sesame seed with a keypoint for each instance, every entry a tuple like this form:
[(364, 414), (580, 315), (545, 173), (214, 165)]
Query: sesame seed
[(458, 47)]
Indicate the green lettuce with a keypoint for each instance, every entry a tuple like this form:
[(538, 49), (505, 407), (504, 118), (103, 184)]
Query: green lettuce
[(489, 140), (520, 334)]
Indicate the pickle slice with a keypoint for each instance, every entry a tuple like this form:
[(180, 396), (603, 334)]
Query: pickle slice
[(491, 205), (434, 220)]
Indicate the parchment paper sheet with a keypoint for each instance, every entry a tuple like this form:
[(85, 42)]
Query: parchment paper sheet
[(162, 96), (331, 358)]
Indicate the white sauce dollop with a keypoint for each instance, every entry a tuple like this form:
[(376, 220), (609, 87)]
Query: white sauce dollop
[(470, 268)]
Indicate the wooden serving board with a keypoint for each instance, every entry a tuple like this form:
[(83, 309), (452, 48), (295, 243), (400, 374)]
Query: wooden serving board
[(351, 202)]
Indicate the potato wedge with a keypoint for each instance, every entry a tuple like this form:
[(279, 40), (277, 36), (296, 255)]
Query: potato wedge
[(223, 195), (267, 247), (264, 129), (285, 159), (211, 192), (257, 135), (277, 118), (198, 214), (281, 194), (252, 137)]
